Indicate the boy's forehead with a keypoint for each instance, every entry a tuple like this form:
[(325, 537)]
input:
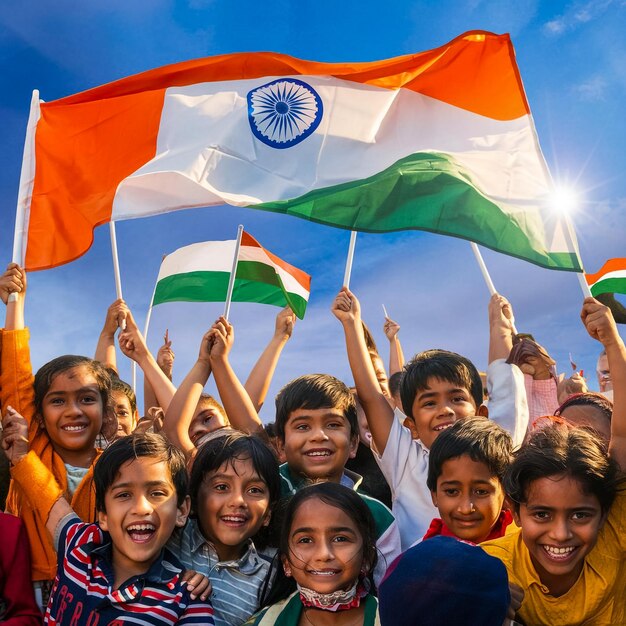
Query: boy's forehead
[(143, 470), (312, 414), (433, 383)]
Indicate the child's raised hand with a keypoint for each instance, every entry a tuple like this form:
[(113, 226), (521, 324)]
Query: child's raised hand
[(131, 341), (115, 318), (12, 281), (14, 436), (500, 312), (391, 328), (165, 356), (346, 307), (599, 322), (206, 345), (223, 336), (285, 321)]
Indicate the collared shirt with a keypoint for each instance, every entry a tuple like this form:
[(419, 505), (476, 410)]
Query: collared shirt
[(83, 593), (387, 533), (597, 598), (237, 585)]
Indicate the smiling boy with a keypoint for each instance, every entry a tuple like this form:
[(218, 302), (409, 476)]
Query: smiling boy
[(119, 567), (466, 466), (437, 389)]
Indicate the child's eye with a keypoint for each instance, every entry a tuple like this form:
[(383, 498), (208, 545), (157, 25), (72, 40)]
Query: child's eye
[(121, 495), (304, 540), (459, 399), (581, 516), (89, 399), (341, 539), (451, 492), (158, 494), (482, 492), (220, 487), (302, 427), (334, 425), (257, 491), (542, 516), (56, 401)]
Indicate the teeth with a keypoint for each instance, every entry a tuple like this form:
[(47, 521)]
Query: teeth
[(559, 551), (324, 573), (321, 453), (442, 427), (74, 428), (233, 518), (140, 527)]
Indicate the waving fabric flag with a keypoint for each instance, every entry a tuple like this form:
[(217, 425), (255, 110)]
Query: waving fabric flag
[(200, 273), (440, 141), (610, 279)]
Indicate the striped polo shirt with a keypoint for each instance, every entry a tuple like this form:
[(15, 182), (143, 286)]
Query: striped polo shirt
[(237, 585), (83, 592)]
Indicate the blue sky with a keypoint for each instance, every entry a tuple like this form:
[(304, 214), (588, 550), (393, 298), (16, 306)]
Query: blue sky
[(572, 57)]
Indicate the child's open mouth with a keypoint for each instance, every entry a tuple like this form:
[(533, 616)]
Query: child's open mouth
[(234, 520), (557, 554), (324, 572), (141, 533), (73, 428), (318, 453)]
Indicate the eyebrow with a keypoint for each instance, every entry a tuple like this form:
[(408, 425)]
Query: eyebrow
[(81, 389), (429, 394), (152, 483), (541, 507), (473, 482), (336, 529), (310, 417)]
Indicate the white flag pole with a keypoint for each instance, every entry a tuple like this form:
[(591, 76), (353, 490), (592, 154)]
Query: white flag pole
[(487, 277), (27, 180), (348, 272), (116, 262), (233, 273), (145, 331), (571, 240), (483, 268)]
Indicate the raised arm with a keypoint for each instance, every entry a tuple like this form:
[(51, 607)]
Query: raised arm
[(183, 405), (396, 356), (13, 281), (165, 360), (134, 347), (599, 322), (347, 310), (508, 405), (239, 408), (115, 318), (261, 375)]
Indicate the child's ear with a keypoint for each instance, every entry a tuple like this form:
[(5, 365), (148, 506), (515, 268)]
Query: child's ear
[(354, 444), (183, 512), (267, 518), (286, 566), (433, 496), (102, 520), (483, 411), (409, 422)]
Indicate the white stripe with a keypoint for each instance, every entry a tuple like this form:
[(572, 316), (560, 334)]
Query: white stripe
[(207, 154), (614, 274)]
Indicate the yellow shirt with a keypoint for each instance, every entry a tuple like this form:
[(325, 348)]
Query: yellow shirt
[(597, 598)]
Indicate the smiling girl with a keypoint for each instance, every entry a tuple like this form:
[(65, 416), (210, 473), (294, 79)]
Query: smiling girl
[(234, 486), (328, 547), (569, 499), (65, 407)]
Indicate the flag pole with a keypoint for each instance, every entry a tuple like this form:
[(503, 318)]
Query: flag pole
[(233, 273), (116, 261), (483, 268), (348, 272), (145, 331), (27, 180), (571, 237), (487, 277)]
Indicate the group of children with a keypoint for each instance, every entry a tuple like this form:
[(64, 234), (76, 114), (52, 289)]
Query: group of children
[(197, 513)]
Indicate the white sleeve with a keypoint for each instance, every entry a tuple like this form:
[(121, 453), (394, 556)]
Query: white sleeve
[(394, 462), (508, 405)]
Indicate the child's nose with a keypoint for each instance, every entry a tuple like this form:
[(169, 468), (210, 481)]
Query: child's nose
[(560, 530), (142, 505), (319, 434), (236, 498), (466, 506), (73, 407)]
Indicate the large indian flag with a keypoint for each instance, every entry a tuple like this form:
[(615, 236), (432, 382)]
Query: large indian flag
[(611, 278), (440, 141), (200, 273)]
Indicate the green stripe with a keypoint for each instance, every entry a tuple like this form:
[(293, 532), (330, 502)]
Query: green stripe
[(213, 286), (609, 285), (423, 191)]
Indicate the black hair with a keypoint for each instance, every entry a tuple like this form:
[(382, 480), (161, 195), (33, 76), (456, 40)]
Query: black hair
[(117, 384), (482, 440), (136, 446), (395, 380), (315, 391), (342, 498), (270, 429), (369, 338), (47, 373), (563, 450), (227, 446), (441, 364), (596, 400)]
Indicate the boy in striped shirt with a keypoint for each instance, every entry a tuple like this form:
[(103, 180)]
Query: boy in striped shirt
[(118, 570)]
